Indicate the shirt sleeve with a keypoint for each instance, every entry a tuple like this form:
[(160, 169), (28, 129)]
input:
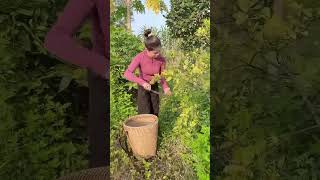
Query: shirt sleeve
[(129, 73), (60, 42), (163, 81)]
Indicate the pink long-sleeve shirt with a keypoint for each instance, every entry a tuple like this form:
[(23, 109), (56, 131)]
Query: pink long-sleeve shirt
[(60, 41), (147, 68)]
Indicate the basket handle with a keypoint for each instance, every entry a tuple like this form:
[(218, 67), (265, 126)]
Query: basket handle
[(123, 143), (127, 135)]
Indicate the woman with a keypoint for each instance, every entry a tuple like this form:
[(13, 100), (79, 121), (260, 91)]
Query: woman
[(59, 41), (150, 63)]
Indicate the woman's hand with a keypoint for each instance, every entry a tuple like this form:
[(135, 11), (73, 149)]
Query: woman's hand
[(146, 86), (167, 92)]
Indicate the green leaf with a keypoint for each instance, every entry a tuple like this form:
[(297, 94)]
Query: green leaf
[(64, 83), (138, 6), (315, 148), (240, 17), (245, 119), (244, 5), (266, 12), (275, 28), (26, 12)]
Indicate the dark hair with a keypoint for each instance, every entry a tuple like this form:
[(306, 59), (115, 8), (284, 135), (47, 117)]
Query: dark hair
[(151, 41)]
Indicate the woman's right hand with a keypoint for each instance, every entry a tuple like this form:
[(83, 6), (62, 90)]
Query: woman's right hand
[(146, 86), (167, 92)]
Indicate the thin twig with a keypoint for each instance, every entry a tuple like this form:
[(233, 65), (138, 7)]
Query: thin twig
[(299, 131)]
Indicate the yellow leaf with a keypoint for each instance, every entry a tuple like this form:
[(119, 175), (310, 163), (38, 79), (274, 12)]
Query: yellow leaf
[(153, 5)]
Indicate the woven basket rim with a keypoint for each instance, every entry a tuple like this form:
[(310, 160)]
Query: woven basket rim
[(141, 115)]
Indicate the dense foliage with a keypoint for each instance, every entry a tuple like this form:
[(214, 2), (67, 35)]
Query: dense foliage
[(123, 47), (185, 18), (43, 101), (266, 90), (183, 148)]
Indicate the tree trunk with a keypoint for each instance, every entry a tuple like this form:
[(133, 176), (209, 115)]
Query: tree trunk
[(128, 23), (278, 8)]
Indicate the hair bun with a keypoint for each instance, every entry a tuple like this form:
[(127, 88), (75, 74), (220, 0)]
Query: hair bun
[(147, 32)]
